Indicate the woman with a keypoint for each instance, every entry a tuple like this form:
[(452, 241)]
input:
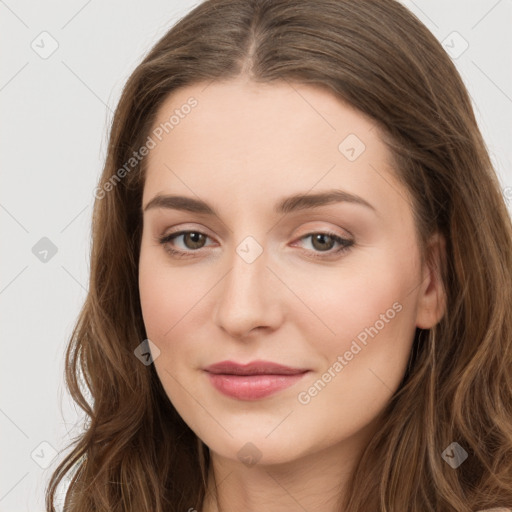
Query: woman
[(235, 361)]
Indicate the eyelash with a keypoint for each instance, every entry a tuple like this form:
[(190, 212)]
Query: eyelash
[(345, 244)]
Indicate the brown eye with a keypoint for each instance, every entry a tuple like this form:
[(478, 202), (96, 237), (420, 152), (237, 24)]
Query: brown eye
[(323, 241), (193, 239)]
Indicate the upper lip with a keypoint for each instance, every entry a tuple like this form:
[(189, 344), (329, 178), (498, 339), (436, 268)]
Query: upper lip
[(253, 368)]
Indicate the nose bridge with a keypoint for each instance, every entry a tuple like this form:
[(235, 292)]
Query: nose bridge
[(246, 297)]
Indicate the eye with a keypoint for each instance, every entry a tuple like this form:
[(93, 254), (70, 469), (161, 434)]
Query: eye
[(193, 240), (323, 242)]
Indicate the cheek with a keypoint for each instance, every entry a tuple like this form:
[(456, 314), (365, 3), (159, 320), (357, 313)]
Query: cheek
[(364, 341), (358, 303), (156, 300), (173, 306), (167, 295)]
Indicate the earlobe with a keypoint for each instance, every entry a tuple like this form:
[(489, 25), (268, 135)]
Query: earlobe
[(432, 298)]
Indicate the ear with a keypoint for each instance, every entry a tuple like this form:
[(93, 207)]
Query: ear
[(432, 297)]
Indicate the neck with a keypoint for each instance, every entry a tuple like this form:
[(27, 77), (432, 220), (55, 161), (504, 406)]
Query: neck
[(316, 482)]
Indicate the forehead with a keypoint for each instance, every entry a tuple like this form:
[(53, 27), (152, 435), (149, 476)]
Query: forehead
[(254, 113), (256, 139)]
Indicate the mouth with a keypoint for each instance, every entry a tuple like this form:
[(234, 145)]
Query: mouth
[(252, 381), (253, 368)]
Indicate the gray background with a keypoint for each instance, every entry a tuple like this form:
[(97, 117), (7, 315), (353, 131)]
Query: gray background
[(56, 110)]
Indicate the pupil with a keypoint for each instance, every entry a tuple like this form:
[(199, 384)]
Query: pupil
[(321, 238), (195, 237)]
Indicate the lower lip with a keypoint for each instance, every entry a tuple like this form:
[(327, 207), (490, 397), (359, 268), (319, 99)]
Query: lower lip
[(252, 387)]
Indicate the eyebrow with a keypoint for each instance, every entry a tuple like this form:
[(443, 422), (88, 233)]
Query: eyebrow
[(287, 205)]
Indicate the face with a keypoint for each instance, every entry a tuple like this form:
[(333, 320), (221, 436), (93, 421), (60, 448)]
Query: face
[(331, 286)]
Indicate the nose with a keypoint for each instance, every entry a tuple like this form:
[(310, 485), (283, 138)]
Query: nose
[(248, 298)]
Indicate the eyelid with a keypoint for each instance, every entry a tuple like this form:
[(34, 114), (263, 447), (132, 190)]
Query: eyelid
[(345, 244), (172, 235), (345, 233), (308, 232), (185, 228)]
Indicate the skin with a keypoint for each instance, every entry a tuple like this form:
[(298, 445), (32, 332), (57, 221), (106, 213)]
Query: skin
[(244, 147)]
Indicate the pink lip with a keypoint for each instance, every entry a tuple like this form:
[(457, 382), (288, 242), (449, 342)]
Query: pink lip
[(254, 380)]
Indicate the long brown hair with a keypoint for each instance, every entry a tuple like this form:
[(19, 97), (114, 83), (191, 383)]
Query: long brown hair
[(136, 453)]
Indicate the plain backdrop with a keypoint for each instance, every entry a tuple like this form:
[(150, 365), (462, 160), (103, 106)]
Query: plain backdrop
[(64, 65)]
